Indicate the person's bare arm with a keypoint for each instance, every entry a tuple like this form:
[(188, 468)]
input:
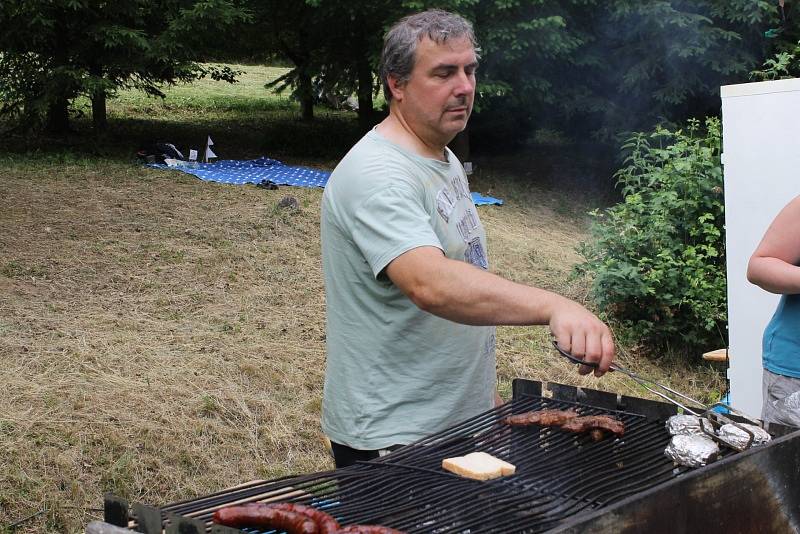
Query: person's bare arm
[(466, 294), (773, 265)]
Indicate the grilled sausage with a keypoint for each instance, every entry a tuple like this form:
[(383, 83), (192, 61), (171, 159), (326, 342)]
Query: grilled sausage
[(592, 422), (326, 523), (368, 529), (263, 516), (540, 417)]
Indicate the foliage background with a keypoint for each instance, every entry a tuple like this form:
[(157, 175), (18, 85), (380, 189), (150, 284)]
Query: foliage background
[(591, 70)]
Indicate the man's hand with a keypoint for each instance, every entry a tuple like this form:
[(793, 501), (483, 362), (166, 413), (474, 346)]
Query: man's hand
[(583, 335)]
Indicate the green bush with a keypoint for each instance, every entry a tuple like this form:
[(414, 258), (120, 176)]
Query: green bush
[(784, 64), (657, 259)]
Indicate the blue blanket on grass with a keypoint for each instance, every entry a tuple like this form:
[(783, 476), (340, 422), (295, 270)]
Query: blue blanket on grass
[(256, 171), (239, 172), (481, 200)]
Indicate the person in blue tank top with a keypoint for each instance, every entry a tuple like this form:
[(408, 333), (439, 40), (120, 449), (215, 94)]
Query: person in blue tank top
[(774, 267)]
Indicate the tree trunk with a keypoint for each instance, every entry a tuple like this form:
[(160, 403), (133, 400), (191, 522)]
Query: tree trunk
[(99, 115), (58, 116), (306, 94), (365, 81), (57, 92), (301, 59), (365, 117)]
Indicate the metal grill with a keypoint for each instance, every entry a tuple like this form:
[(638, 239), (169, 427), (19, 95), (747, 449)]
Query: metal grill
[(559, 476)]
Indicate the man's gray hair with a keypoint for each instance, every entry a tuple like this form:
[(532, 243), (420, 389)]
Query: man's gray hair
[(400, 43)]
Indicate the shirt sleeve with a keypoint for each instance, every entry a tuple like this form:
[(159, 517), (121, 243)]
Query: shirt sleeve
[(391, 222)]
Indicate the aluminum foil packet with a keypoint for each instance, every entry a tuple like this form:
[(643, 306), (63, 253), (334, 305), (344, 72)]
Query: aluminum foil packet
[(734, 435), (691, 451), (688, 425)]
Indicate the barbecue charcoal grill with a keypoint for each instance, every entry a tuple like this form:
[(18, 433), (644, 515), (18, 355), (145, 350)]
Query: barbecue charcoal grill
[(564, 482)]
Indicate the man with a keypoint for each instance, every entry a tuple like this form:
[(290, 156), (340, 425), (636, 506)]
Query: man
[(411, 306)]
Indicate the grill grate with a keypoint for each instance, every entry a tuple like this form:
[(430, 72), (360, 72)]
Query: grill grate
[(559, 476)]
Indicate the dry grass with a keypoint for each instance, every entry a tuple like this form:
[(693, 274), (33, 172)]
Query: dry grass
[(159, 337), (163, 337)]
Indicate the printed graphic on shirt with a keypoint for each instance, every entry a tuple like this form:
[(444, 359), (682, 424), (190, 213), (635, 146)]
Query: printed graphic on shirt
[(460, 187), (445, 203), (475, 254), (488, 348), (467, 224)]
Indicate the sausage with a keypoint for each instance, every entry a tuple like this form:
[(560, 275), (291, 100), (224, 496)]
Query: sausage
[(326, 523), (591, 422), (368, 529), (569, 421), (258, 515), (541, 417)]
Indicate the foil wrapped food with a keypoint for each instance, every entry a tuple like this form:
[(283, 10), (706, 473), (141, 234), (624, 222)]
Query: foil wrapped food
[(738, 437), (691, 451), (688, 425)]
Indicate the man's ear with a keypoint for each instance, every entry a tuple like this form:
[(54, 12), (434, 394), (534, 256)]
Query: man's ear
[(396, 87)]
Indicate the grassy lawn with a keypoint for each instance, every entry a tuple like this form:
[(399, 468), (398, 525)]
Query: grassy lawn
[(162, 337)]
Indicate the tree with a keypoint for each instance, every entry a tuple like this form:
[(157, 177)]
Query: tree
[(524, 47), (785, 47), (71, 48), (599, 69), (287, 30), (585, 67), (334, 45), (662, 60), (783, 65)]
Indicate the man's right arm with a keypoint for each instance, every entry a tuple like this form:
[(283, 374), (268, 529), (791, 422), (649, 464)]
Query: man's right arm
[(466, 294)]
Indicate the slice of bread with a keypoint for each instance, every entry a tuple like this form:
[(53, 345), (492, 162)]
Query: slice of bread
[(478, 466)]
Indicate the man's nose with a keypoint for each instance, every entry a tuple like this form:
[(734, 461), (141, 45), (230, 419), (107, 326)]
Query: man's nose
[(465, 84)]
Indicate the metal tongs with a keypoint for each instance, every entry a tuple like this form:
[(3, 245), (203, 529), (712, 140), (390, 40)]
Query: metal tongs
[(700, 410)]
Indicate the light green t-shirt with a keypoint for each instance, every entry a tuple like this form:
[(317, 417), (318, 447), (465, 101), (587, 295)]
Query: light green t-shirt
[(395, 373)]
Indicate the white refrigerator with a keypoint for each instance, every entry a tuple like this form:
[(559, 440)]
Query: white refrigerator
[(761, 161)]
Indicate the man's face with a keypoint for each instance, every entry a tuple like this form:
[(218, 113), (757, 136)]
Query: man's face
[(436, 101)]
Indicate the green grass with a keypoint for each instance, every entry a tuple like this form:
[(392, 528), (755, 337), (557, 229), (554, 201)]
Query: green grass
[(244, 119)]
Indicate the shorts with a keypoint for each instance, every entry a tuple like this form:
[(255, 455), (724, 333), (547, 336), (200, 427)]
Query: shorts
[(345, 456), (781, 403)]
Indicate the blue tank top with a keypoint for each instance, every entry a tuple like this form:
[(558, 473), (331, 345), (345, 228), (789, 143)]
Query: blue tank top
[(781, 344)]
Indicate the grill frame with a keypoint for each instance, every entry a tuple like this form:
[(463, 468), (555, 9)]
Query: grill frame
[(508, 495), (752, 491)]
